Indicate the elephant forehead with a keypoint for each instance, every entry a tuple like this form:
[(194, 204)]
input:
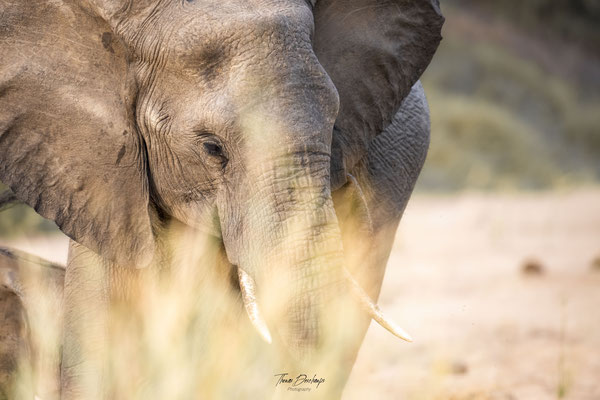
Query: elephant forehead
[(212, 36)]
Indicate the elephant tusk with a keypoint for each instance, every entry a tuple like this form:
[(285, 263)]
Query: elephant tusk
[(373, 309), (248, 289)]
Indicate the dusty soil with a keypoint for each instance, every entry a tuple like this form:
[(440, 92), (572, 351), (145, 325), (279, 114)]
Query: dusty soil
[(500, 292), (502, 296)]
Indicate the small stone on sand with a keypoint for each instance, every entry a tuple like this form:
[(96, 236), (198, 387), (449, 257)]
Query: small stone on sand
[(596, 264), (532, 267)]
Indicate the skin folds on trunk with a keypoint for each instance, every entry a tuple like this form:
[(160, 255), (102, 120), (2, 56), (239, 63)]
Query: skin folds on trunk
[(295, 257), (290, 245)]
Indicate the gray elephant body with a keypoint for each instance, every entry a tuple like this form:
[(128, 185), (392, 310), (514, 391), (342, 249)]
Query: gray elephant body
[(263, 148)]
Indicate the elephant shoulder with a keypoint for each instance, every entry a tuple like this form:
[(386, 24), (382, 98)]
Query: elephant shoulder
[(394, 160)]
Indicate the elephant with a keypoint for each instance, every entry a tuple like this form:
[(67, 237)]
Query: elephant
[(249, 156), (31, 291)]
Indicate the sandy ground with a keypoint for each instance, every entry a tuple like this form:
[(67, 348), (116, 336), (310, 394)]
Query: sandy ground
[(483, 328)]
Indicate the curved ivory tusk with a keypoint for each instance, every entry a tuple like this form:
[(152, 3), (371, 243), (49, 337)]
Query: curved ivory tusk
[(373, 309), (248, 288)]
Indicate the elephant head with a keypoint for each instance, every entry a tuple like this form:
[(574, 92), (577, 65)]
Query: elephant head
[(238, 117)]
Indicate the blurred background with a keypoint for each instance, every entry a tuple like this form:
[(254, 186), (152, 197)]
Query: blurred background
[(515, 96), (496, 268)]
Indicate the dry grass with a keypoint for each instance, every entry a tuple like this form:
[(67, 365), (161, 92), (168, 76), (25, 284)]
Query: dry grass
[(483, 329)]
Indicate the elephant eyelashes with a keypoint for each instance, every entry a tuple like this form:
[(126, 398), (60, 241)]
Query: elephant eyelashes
[(213, 149), (211, 143)]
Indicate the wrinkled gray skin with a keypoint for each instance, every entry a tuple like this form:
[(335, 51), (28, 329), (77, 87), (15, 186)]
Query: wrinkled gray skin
[(120, 120)]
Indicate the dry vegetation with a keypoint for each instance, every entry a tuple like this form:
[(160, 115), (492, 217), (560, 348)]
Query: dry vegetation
[(507, 113), (484, 328)]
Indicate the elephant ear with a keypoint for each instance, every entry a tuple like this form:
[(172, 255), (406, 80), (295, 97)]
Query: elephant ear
[(374, 51), (68, 144)]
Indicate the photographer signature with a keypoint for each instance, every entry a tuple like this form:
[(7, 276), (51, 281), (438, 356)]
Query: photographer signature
[(300, 383)]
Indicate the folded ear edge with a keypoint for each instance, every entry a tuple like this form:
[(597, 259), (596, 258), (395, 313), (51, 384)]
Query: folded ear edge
[(140, 253)]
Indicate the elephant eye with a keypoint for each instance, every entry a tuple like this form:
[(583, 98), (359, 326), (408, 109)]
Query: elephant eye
[(212, 146), (214, 149)]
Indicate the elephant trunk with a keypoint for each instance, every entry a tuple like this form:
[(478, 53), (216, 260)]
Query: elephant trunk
[(290, 246)]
